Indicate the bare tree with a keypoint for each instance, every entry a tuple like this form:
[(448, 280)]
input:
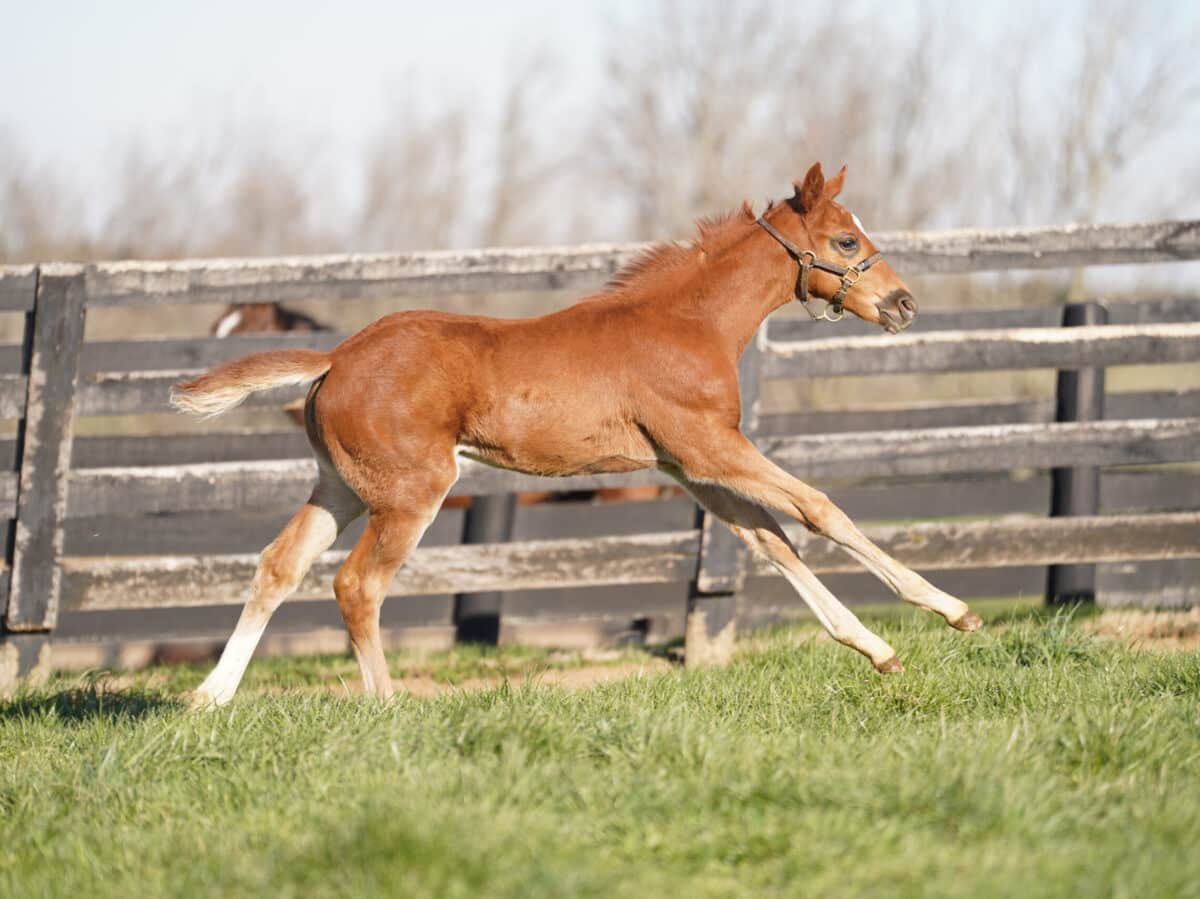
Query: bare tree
[(39, 218), (523, 170), (1082, 113), (714, 100), (1076, 120), (266, 210), (415, 193), (154, 213)]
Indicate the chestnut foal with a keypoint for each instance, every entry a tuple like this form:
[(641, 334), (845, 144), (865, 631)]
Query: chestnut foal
[(642, 374)]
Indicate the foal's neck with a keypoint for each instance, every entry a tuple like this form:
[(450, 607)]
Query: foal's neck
[(744, 281)]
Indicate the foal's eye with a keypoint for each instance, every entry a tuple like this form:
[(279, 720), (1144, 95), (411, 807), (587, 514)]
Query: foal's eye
[(847, 243)]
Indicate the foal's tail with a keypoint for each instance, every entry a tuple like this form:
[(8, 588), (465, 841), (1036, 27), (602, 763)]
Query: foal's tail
[(220, 389)]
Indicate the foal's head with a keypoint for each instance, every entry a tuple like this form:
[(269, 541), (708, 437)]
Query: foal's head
[(834, 234)]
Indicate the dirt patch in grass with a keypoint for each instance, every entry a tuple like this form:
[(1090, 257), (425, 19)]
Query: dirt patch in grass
[(1149, 630)]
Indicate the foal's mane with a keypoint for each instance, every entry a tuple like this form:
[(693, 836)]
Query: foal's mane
[(713, 234)]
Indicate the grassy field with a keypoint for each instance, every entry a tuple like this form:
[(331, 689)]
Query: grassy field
[(1031, 759)]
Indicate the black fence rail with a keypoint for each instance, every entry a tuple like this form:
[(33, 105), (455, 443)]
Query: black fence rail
[(101, 525)]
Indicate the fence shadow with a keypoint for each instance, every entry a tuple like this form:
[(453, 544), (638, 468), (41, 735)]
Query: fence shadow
[(79, 704)]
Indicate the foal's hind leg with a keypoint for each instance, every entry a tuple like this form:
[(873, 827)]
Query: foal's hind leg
[(282, 566), (759, 530), (393, 531), (727, 458)]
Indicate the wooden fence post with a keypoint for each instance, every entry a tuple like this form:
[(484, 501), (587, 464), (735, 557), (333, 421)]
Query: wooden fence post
[(1079, 396), (489, 519), (721, 570), (53, 336)]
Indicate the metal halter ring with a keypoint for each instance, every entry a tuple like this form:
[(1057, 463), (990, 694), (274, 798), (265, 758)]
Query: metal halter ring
[(825, 315)]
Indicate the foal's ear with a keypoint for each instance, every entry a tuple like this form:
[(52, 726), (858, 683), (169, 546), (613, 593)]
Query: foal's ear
[(833, 186), (809, 192)]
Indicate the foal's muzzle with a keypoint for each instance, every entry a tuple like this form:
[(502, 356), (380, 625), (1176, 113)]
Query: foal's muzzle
[(897, 311)]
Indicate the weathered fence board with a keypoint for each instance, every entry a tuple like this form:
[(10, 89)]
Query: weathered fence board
[(1014, 348), (147, 391), (274, 484), (227, 531), (1152, 489), (1035, 248), (123, 450), (1179, 310), (289, 442), (127, 392), (995, 448), (179, 354), (104, 583), (187, 354), (17, 286), (269, 484), (359, 276), (12, 396), (8, 495), (214, 580), (1019, 540), (533, 268), (972, 413)]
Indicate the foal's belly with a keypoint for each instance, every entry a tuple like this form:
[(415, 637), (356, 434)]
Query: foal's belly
[(560, 449), (536, 461)]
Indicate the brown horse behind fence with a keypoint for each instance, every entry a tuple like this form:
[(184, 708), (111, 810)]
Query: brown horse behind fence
[(642, 374)]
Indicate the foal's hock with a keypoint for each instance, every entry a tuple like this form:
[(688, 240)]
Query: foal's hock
[(642, 374)]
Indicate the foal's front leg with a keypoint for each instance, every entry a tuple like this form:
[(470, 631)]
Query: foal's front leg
[(726, 458), (756, 527)]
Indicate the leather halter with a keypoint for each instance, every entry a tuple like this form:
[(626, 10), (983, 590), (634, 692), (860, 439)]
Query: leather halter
[(808, 260)]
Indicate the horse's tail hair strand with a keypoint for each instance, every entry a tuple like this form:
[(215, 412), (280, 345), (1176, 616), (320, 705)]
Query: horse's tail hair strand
[(221, 388)]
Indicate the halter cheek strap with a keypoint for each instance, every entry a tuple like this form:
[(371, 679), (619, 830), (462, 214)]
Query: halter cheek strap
[(808, 260)]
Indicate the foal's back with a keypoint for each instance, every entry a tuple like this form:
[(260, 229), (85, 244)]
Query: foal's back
[(550, 395)]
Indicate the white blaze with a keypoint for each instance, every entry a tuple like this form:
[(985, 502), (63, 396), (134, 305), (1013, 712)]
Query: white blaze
[(858, 224), (228, 323)]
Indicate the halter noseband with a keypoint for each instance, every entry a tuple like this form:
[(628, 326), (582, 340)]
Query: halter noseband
[(807, 261)]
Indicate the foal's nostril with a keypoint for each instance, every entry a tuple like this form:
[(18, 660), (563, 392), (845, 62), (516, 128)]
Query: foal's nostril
[(908, 307)]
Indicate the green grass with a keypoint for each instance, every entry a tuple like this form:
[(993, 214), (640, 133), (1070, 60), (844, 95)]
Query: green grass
[(1025, 760), (340, 672)]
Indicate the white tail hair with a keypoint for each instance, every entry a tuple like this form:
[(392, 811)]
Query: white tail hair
[(220, 389)]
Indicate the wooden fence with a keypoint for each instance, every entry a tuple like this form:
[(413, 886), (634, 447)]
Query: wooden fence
[(99, 524)]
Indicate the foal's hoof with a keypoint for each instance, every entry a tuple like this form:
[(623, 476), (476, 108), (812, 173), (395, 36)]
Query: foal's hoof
[(890, 666), (968, 622), (201, 701)]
